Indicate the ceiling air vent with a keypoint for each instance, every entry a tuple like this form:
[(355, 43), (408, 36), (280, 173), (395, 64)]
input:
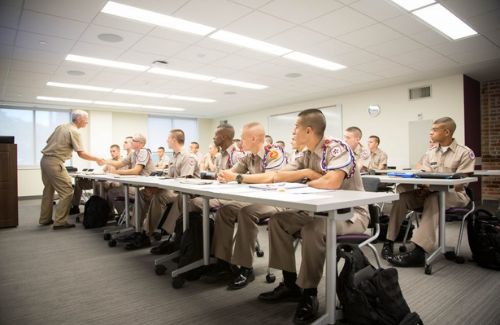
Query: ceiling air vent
[(418, 93)]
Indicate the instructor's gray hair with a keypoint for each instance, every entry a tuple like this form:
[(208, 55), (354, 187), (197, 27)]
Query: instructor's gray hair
[(78, 113)]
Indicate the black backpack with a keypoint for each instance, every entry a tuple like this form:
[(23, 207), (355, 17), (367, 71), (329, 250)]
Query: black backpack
[(191, 246), (96, 213), (369, 296), (483, 230)]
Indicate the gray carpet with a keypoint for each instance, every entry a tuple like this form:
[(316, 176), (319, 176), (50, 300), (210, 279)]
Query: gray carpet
[(73, 277)]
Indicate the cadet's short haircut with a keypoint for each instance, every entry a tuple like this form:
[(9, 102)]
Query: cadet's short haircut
[(196, 144), (141, 137), (448, 124), (228, 130), (269, 137), (161, 148), (356, 131), (376, 138), (315, 119), (178, 135), (283, 143), (115, 146)]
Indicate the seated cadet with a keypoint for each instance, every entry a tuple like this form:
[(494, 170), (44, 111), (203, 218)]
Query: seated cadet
[(231, 154), (448, 156), (208, 161), (329, 164), (237, 142), (141, 163), (352, 136), (378, 158), (259, 166), (195, 148), (295, 150), (282, 145), (268, 139), (163, 159), (153, 201)]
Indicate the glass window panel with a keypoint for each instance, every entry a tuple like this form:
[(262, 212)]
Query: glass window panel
[(158, 128), (190, 128), (19, 123)]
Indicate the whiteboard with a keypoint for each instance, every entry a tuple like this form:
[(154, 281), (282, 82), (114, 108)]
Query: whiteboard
[(280, 126)]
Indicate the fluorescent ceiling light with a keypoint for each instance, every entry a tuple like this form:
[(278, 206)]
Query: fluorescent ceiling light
[(413, 4), (69, 100), (73, 86), (248, 42), (150, 17), (442, 19), (140, 93), (106, 63), (180, 74), (193, 99), (238, 83), (164, 108), (116, 104), (314, 61)]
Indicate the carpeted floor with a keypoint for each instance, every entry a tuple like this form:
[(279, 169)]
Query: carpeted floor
[(73, 277)]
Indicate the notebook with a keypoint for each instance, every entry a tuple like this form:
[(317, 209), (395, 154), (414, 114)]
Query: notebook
[(439, 175)]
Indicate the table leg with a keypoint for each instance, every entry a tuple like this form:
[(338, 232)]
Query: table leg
[(137, 214)]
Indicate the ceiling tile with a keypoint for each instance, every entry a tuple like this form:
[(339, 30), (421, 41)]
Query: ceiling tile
[(143, 83), (463, 45), (369, 36), (477, 55), (213, 13), (339, 22), (395, 72), (183, 65), (298, 38), (7, 36), (218, 46), (140, 58), (467, 9), (173, 35), (211, 70), (71, 9), (258, 25), (421, 55), (24, 54), (439, 63), (299, 11), (163, 7), (123, 24), (361, 79), (374, 66), (97, 51), (494, 37), (200, 55), (235, 62), (162, 47), (429, 37), (33, 67), (49, 25), (91, 35), (330, 49), (406, 24), (485, 23), (53, 44), (395, 47), (9, 16), (379, 10), (4, 64), (356, 57)]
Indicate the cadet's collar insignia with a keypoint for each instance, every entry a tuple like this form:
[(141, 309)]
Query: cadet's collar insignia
[(471, 155)]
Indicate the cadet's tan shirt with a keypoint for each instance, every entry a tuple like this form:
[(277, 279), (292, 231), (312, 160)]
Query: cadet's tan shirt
[(337, 158), (142, 157), (362, 155), (184, 164), (228, 158), (376, 159), (457, 159), (269, 157), (163, 161), (63, 141)]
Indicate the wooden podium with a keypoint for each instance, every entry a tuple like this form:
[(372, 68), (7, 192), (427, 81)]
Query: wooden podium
[(9, 215)]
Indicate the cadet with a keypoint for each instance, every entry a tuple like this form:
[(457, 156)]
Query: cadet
[(378, 158), (352, 136), (163, 159)]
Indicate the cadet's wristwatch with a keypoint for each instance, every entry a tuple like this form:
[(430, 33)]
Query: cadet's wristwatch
[(239, 178)]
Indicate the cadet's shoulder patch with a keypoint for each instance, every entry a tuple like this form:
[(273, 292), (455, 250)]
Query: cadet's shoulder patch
[(142, 154), (274, 154), (336, 151), (365, 154), (471, 155), (192, 161), (383, 155)]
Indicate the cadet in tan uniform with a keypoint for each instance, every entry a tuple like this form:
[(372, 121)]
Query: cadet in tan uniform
[(153, 201), (141, 163), (229, 156), (259, 166), (163, 159), (330, 165), (55, 177), (352, 136), (378, 158), (195, 148), (208, 161), (448, 156)]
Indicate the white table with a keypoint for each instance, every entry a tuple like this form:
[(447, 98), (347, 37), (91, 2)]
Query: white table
[(487, 173), (442, 186)]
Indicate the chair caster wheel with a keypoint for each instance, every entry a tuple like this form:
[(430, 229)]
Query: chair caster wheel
[(177, 282), (160, 269), (459, 260), (157, 236), (77, 220), (260, 253), (402, 249), (107, 236), (428, 269), (112, 243), (270, 278), (450, 256)]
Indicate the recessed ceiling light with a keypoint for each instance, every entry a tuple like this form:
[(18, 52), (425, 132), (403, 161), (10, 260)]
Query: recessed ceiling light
[(150, 17), (42, 43), (116, 104), (443, 20), (75, 73), (293, 75), (69, 100), (193, 99), (140, 93), (248, 42), (110, 38), (180, 74), (63, 85), (413, 4), (314, 61), (230, 93), (238, 83), (165, 108), (106, 63)]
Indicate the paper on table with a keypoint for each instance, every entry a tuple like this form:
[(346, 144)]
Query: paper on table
[(284, 196), (195, 181), (307, 190), (277, 186)]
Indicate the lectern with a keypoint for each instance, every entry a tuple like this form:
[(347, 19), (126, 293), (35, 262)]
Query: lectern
[(9, 216)]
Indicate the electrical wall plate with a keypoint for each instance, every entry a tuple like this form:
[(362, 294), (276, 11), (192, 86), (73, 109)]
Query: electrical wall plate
[(373, 110)]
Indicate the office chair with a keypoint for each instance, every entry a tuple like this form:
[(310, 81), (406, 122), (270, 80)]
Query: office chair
[(364, 239), (451, 214)]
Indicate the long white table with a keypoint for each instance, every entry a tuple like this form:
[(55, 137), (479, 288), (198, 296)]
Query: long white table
[(442, 186), (338, 204)]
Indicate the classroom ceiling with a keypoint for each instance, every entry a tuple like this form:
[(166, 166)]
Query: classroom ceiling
[(380, 44)]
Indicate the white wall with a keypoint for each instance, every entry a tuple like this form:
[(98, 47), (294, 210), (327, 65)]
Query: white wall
[(396, 110)]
